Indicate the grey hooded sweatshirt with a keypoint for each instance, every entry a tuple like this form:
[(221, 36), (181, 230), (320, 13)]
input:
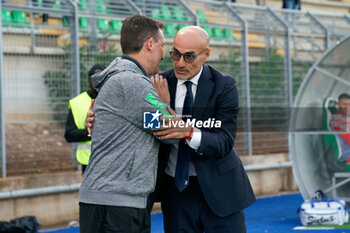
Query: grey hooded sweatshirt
[(123, 163)]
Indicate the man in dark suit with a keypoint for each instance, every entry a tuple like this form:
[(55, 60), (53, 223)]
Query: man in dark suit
[(201, 184)]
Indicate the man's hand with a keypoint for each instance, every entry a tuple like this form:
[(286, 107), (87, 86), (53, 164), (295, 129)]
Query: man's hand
[(161, 86), (174, 128), (90, 117)]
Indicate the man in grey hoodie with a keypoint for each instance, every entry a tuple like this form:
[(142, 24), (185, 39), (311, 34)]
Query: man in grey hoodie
[(123, 163)]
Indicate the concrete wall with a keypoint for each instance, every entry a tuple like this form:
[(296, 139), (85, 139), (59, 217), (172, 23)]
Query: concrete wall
[(59, 209), (50, 209), (271, 181)]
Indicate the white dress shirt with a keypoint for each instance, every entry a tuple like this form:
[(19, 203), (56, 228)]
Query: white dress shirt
[(197, 135)]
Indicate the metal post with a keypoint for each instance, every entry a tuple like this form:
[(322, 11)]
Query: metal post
[(190, 12), (134, 7), (245, 64), (93, 27), (288, 72), (2, 113), (267, 34), (287, 61), (324, 28), (75, 56), (333, 184), (32, 29), (245, 79)]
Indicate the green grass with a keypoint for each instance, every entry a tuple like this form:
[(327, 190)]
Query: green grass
[(345, 226)]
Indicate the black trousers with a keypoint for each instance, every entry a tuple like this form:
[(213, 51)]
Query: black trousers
[(113, 219), (83, 168), (188, 212)]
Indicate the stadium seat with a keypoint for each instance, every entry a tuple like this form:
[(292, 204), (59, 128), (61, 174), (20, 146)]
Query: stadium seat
[(19, 17), (57, 5), (83, 22), (201, 15), (178, 14), (179, 26), (65, 21), (6, 16), (156, 14), (39, 3), (208, 30), (102, 24), (165, 12), (83, 6), (116, 25), (228, 33), (101, 7), (170, 30), (217, 33)]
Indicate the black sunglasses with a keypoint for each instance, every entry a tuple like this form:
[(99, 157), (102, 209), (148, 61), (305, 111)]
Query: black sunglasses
[(188, 57)]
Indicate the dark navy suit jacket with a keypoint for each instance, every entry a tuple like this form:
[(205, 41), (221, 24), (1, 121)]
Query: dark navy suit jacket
[(221, 176)]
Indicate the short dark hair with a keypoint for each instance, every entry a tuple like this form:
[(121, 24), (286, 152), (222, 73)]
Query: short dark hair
[(343, 96), (95, 67), (136, 30)]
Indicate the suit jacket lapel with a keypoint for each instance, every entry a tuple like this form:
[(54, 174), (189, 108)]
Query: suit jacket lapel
[(172, 83), (204, 90)]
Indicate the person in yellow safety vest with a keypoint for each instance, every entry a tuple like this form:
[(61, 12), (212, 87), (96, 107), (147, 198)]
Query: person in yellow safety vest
[(75, 125)]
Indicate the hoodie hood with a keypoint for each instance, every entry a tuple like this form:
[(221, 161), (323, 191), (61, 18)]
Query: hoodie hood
[(120, 64)]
